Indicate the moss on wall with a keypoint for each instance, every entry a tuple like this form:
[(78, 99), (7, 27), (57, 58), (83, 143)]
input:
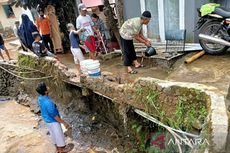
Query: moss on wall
[(178, 107)]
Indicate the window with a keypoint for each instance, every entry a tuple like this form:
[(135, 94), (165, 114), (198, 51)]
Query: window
[(171, 15), (8, 11), (166, 15), (153, 27)]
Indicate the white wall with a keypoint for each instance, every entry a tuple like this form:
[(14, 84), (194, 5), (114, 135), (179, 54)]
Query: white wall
[(9, 22)]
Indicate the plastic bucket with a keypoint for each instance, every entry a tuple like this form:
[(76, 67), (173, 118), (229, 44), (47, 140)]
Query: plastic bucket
[(91, 67), (83, 66)]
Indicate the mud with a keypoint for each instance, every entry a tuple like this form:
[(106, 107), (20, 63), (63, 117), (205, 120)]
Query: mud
[(24, 132), (94, 131), (19, 133), (208, 70)]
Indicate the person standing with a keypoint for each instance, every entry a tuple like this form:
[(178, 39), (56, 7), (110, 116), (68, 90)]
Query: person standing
[(26, 31), (44, 27), (101, 26), (75, 49), (16, 27), (87, 36), (55, 31), (51, 116), (16, 33), (3, 48), (132, 29)]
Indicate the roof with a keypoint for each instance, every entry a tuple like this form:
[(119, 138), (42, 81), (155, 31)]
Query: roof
[(92, 3)]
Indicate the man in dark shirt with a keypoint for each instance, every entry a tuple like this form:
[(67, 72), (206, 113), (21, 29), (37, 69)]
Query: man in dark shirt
[(3, 48)]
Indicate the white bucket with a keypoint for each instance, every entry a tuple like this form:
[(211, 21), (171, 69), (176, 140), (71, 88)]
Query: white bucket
[(91, 68), (83, 66)]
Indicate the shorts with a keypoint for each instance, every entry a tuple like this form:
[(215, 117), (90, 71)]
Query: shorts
[(91, 44), (57, 134), (2, 47), (77, 55)]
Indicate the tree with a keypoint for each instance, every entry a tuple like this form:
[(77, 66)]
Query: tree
[(111, 21), (120, 13), (65, 11)]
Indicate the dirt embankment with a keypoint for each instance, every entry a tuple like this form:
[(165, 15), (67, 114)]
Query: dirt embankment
[(19, 133)]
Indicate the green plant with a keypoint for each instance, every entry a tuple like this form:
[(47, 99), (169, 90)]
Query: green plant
[(151, 98), (139, 91), (179, 113), (187, 113), (140, 133), (26, 61)]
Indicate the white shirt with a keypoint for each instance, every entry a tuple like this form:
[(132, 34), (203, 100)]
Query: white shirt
[(86, 23), (15, 29)]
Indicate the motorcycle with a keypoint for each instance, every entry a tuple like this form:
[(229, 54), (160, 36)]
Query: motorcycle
[(214, 31)]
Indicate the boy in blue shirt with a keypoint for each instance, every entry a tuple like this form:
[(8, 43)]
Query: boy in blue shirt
[(51, 116), (74, 42)]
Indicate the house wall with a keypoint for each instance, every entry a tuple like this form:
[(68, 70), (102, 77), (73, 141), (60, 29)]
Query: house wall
[(132, 8), (18, 11), (9, 22), (224, 3), (191, 18)]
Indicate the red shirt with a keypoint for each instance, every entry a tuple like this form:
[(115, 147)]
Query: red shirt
[(43, 25)]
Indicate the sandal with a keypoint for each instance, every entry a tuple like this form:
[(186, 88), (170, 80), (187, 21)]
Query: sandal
[(133, 72), (140, 66), (67, 148)]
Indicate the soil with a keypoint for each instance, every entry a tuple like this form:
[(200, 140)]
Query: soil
[(208, 70), (24, 132), (19, 133)]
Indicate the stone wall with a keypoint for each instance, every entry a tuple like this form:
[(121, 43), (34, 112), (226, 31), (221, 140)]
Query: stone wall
[(161, 99), (8, 82)]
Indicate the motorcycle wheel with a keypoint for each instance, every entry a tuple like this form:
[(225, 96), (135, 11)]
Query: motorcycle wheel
[(212, 48)]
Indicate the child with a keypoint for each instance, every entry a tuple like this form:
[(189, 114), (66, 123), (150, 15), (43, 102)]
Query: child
[(50, 115), (39, 48), (2, 47), (75, 49)]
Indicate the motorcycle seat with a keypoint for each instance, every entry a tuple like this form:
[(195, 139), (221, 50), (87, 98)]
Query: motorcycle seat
[(222, 12)]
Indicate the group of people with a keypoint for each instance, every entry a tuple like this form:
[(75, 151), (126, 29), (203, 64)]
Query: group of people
[(131, 29), (31, 34), (87, 28)]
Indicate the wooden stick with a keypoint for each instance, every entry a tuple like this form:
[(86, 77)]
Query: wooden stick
[(194, 57)]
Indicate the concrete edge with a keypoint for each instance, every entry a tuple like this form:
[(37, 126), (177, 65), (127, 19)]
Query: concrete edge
[(218, 111)]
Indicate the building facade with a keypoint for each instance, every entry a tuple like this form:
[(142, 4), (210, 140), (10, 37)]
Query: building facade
[(8, 15), (168, 15)]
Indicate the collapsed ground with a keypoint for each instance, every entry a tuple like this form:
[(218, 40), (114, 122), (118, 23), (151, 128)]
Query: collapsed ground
[(207, 74)]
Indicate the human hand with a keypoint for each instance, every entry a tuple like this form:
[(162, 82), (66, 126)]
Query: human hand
[(148, 43), (67, 125), (82, 29)]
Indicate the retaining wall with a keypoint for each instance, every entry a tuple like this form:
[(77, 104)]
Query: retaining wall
[(159, 98)]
